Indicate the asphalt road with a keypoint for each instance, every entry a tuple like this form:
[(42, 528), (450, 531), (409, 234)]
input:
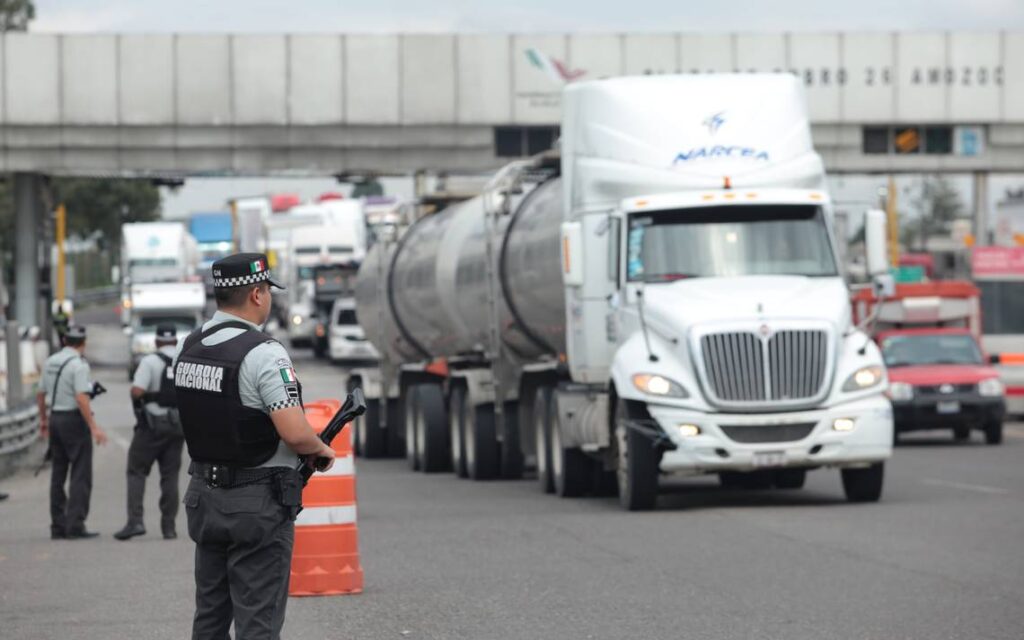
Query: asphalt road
[(942, 556)]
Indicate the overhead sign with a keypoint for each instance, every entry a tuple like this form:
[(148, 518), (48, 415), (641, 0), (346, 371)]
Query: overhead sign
[(997, 261)]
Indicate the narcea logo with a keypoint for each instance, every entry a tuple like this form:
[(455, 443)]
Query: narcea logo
[(556, 70), (720, 151)]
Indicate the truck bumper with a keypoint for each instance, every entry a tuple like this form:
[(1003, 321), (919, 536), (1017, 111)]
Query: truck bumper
[(745, 442), (971, 410), (343, 350)]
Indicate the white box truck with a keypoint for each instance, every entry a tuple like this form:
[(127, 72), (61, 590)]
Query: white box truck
[(154, 252), (178, 303), (664, 298)]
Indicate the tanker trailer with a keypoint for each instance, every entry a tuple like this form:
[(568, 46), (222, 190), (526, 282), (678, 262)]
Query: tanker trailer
[(663, 298)]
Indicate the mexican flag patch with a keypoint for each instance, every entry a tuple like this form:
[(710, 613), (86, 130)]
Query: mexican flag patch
[(288, 375), (256, 266)]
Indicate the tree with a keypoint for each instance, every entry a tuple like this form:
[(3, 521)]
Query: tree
[(99, 204), (16, 14), (938, 205)]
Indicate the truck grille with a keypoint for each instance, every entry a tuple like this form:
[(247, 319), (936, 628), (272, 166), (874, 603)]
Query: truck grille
[(768, 433), (736, 370)]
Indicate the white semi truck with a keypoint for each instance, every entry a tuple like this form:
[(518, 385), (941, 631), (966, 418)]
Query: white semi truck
[(664, 298), (180, 304), (154, 252)]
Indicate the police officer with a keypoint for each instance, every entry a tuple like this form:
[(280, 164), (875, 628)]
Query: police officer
[(240, 406), (157, 437), (71, 428)]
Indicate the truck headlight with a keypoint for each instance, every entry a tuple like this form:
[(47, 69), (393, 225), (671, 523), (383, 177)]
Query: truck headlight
[(864, 378), (655, 385), (296, 319), (900, 391), (991, 387)]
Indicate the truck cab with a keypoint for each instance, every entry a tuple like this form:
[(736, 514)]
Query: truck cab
[(178, 303)]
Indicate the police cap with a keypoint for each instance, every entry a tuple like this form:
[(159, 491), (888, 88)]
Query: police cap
[(75, 332), (166, 332), (242, 269)]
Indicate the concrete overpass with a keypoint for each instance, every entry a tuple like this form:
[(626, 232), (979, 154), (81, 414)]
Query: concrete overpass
[(186, 105)]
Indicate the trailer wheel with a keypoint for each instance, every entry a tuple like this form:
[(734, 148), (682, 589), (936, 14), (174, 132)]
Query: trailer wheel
[(457, 429), (410, 411), (483, 456), (542, 406), (639, 460), (994, 432), (790, 478), (570, 468), (432, 449), (370, 437), (864, 485)]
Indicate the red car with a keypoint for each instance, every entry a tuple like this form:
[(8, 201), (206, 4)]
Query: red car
[(941, 379)]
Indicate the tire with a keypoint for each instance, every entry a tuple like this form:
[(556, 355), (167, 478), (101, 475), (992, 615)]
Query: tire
[(571, 469), (864, 485), (961, 433), (371, 438), (638, 462), (790, 478), (994, 432), (432, 448), (511, 451), (483, 455), (410, 413), (457, 430), (542, 411)]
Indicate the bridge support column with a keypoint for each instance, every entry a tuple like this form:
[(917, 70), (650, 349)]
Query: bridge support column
[(27, 212), (981, 232)]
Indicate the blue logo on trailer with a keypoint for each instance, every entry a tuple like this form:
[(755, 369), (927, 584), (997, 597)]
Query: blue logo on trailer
[(714, 122), (720, 151), (154, 241)]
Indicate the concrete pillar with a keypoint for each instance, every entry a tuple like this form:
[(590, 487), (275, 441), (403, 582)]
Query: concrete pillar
[(14, 390), (981, 233), (26, 257)]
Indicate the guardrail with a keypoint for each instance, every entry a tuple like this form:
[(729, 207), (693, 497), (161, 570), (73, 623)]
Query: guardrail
[(100, 294), (18, 430)]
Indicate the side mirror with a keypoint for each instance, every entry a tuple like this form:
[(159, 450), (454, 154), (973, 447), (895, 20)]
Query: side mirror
[(875, 242), (884, 285), (994, 358)]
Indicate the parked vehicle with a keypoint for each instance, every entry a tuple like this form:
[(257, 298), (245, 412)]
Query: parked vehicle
[(153, 252), (939, 375), (214, 234), (346, 340), (156, 303), (663, 298)]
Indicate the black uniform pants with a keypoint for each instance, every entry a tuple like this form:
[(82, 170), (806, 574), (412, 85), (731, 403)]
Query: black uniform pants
[(149, 446), (71, 447), (244, 540)]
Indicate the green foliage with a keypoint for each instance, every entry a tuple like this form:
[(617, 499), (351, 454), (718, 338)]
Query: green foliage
[(16, 14), (938, 205), (99, 204)]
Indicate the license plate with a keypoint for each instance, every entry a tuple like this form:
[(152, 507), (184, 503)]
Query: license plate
[(947, 407), (769, 458)]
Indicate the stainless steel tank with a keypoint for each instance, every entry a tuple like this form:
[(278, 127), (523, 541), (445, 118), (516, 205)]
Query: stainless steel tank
[(436, 288)]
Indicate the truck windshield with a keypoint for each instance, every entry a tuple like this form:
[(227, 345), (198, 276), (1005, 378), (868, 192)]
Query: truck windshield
[(924, 349), (747, 240)]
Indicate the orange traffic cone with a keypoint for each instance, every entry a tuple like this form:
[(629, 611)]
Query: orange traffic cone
[(325, 558)]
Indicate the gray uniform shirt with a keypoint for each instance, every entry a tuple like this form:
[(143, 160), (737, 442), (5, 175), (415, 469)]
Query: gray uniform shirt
[(266, 379), (74, 379), (149, 373)]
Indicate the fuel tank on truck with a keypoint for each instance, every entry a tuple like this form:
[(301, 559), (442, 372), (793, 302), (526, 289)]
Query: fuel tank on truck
[(436, 286)]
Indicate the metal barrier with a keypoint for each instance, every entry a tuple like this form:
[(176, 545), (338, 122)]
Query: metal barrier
[(101, 294), (18, 430)]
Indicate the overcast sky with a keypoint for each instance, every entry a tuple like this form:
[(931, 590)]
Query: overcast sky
[(523, 15)]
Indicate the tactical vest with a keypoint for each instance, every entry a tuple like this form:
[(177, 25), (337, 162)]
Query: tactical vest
[(167, 396), (218, 428)]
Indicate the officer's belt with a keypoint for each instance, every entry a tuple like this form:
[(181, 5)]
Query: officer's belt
[(225, 477)]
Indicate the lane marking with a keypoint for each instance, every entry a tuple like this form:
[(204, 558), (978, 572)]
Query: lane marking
[(965, 486)]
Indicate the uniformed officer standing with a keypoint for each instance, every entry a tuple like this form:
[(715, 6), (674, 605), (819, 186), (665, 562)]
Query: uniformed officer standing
[(240, 406), (71, 428), (157, 438)]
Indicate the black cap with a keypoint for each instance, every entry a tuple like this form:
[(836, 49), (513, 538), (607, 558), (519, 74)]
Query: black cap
[(75, 332), (242, 269), (166, 332)]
